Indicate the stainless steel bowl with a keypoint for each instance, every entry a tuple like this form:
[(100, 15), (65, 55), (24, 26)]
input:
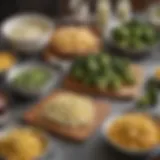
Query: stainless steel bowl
[(21, 67), (48, 150), (27, 45), (107, 124)]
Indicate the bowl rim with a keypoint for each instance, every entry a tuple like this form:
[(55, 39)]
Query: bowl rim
[(47, 150), (16, 60), (108, 121), (133, 51), (22, 66), (29, 15)]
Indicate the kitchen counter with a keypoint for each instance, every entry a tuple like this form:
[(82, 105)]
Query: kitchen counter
[(95, 147)]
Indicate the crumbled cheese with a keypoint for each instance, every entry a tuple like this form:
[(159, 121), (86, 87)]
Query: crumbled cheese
[(70, 109)]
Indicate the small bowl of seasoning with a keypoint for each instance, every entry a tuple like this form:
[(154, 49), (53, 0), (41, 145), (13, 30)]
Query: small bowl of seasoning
[(31, 79), (28, 33), (7, 61)]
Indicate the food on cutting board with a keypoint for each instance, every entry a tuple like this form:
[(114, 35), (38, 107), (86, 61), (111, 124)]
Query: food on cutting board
[(31, 79), (7, 60), (134, 131), (68, 114), (69, 109), (135, 35), (22, 144), (104, 74), (74, 40)]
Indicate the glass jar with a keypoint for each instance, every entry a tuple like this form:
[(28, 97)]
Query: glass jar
[(103, 12), (124, 10)]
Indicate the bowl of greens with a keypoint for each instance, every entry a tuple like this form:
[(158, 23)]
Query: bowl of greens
[(134, 39), (31, 79)]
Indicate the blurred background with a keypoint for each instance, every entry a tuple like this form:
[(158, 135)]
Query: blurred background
[(57, 8)]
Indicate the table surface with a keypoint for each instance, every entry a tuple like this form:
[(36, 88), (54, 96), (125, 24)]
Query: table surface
[(95, 147)]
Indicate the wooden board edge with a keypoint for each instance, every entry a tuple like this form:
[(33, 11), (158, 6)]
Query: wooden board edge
[(72, 138), (73, 85)]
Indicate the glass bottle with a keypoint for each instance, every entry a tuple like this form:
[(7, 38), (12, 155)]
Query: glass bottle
[(103, 12), (124, 10), (82, 12)]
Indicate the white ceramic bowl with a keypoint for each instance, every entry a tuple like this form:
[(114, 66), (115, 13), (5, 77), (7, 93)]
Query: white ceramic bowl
[(105, 127), (30, 44), (48, 150), (20, 68)]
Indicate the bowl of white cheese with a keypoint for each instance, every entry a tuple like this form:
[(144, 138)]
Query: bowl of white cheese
[(28, 32)]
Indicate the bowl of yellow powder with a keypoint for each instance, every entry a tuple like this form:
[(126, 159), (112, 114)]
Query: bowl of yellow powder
[(31, 143), (7, 61)]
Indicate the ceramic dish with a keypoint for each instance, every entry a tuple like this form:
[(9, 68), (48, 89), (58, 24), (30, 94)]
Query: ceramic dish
[(21, 68), (22, 40), (107, 124), (133, 54), (129, 52), (48, 151)]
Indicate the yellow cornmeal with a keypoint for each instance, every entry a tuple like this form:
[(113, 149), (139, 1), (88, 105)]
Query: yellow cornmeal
[(70, 109), (21, 144), (7, 60), (134, 131)]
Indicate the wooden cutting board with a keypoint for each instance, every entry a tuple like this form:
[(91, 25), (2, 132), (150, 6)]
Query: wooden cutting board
[(34, 117), (124, 92)]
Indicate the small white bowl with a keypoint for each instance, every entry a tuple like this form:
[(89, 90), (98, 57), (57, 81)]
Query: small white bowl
[(20, 68), (105, 127), (27, 45), (49, 148)]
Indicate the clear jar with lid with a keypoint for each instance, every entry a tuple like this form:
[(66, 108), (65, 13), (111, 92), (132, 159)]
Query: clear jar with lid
[(124, 10), (103, 13)]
